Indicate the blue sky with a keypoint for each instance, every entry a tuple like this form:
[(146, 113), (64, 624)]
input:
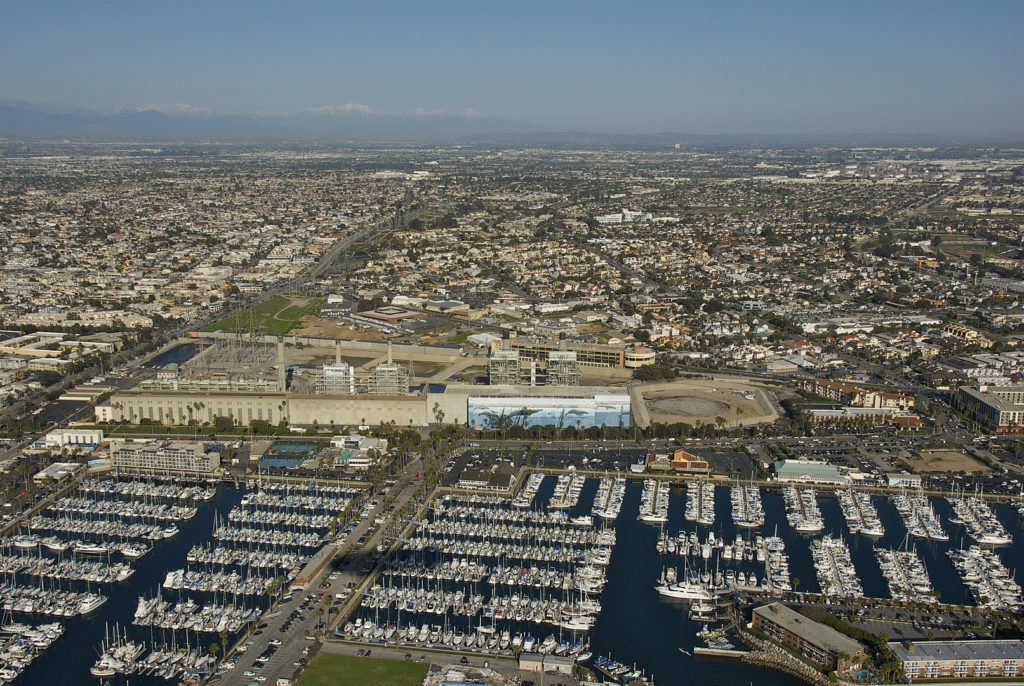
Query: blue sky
[(642, 67)]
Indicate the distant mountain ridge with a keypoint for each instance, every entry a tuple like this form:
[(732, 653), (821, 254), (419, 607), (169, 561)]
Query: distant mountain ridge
[(361, 123), (27, 120)]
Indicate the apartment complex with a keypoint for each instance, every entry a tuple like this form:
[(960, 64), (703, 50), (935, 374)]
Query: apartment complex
[(972, 660), (822, 645), (858, 396)]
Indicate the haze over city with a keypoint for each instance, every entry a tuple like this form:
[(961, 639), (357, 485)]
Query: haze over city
[(807, 68)]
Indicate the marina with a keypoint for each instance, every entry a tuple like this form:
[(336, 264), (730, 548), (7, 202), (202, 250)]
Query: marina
[(977, 517), (747, 510), (207, 586), (483, 574), (21, 644), (567, 491), (919, 517), (187, 615), (987, 577), (834, 567), (860, 513), (906, 575), (700, 502), (608, 501), (802, 510), (92, 571), (654, 502)]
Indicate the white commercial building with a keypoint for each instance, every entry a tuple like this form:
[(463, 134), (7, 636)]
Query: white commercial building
[(156, 457), (66, 438)]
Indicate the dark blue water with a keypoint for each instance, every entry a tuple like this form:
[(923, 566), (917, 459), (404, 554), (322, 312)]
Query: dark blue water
[(638, 626), (67, 662), (176, 355)]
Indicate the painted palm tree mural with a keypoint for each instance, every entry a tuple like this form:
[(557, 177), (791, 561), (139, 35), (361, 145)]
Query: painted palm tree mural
[(582, 412)]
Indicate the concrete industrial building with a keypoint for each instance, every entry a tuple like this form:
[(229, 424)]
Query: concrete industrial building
[(999, 407), (560, 406), (159, 457), (503, 367), (587, 354), (336, 379), (172, 408), (563, 369), (230, 381), (509, 367), (969, 660), (820, 644)]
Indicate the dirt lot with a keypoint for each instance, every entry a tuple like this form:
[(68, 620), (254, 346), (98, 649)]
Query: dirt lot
[(323, 327), (930, 461), (738, 402)]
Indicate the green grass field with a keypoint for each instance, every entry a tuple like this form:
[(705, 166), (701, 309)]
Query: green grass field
[(966, 248), (345, 670), (276, 316)]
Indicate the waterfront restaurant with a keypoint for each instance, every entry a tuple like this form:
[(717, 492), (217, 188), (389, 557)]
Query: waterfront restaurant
[(822, 645), (683, 461)]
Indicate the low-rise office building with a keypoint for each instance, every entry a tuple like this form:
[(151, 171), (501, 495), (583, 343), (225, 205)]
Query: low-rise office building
[(903, 480)]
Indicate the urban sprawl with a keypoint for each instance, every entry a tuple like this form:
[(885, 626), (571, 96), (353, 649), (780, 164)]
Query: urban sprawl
[(512, 415)]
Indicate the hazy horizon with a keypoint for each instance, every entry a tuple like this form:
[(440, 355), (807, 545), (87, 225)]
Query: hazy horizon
[(935, 68)]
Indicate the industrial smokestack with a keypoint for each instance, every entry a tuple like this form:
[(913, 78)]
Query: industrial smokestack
[(281, 378), (390, 356), (337, 352)]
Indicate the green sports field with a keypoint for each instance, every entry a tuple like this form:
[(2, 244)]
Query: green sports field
[(327, 669), (276, 316)]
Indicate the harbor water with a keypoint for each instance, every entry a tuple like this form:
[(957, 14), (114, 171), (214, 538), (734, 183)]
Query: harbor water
[(68, 661), (635, 626)]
